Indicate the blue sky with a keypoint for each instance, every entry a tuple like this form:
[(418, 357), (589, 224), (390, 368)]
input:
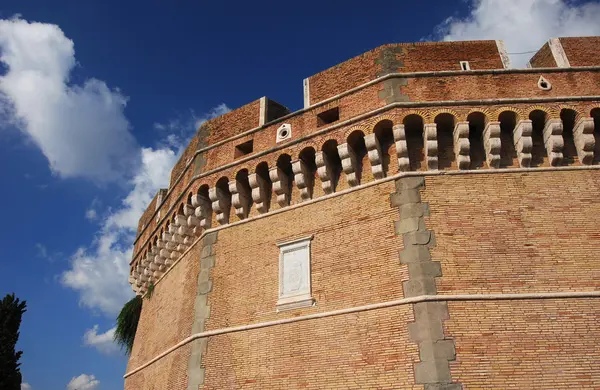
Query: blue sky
[(98, 98)]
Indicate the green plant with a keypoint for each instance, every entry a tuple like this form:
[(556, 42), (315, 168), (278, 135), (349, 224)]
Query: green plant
[(11, 311), (127, 323), (150, 290)]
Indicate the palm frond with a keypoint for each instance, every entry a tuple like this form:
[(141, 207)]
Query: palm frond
[(127, 323)]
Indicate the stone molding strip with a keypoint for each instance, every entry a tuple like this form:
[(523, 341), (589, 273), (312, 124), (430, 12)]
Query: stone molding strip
[(503, 101), (558, 52), (201, 312), (436, 350), (375, 306), (377, 182)]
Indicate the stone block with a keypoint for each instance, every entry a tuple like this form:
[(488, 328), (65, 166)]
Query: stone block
[(435, 371), (207, 262), (198, 326), (202, 310), (207, 251), (201, 300), (425, 331), (403, 197), (408, 183), (443, 386), (414, 254), (407, 225), (203, 276), (210, 239), (195, 378), (417, 287), (417, 238), (431, 310), (429, 269), (441, 349), (412, 210), (205, 287)]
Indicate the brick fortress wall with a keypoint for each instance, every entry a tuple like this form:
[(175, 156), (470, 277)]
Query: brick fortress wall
[(493, 224)]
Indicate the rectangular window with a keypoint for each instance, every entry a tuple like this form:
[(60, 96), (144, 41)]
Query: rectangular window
[(244, 149), (329, 116), (294, 274), (464, 65)]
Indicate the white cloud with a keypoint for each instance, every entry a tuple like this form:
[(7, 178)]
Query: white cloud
[(100, 272), (25, 386), (83, 382), (182, 127), (83, 132), (42, 251), (524, 25), (91, 214), (103, 342), (81, 129)]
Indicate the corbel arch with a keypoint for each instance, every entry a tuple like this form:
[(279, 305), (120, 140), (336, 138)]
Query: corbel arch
[(424, 114), (500, 110)]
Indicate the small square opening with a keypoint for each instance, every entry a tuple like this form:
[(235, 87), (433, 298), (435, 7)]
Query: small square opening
[(464, 65), (329, 116), (244, 148)]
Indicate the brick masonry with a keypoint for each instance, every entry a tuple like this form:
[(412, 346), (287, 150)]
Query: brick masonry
[(473, 233)]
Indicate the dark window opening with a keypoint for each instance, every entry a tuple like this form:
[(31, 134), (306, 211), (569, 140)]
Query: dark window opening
[(244, 149), (329, 116)]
